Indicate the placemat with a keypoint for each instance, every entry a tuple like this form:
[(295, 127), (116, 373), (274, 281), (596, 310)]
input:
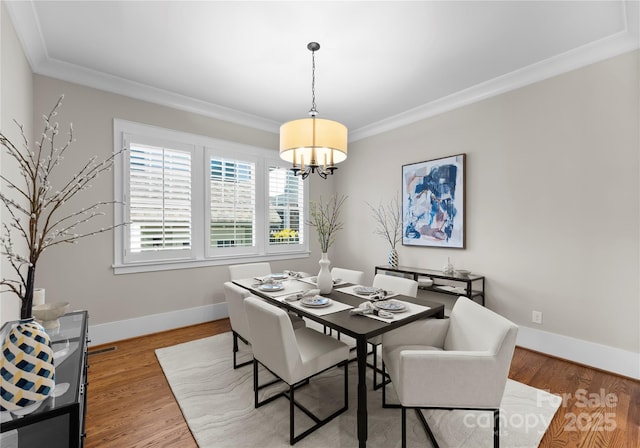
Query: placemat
[(333, 308), (290, 287), (411, 309), (312, 281), (350, 290)]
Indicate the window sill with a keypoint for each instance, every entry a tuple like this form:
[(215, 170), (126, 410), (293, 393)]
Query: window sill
[(189, 264)]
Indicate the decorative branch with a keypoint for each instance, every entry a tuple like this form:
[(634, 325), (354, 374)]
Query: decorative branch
[(36, 208), (388, 220), (325, 217)]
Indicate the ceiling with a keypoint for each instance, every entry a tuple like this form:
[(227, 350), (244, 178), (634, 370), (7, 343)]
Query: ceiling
[(382, 64)]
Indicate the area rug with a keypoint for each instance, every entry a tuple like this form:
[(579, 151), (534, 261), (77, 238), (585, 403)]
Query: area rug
[(217, 403)]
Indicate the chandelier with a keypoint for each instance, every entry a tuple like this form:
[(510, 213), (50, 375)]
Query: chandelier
[(313, 145)]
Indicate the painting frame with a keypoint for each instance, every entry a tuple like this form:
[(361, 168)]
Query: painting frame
[(433, 203)]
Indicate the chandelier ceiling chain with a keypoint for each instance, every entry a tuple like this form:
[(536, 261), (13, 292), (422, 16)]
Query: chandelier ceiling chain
[(313, 145), (313, 46)]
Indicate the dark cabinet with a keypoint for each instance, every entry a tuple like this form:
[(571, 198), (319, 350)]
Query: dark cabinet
[(58, 421)]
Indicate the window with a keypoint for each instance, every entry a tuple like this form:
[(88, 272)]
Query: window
[(232, 200), (159, 198), (286, 198), (190, 201)]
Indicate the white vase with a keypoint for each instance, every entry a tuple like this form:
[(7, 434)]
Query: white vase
[(325, 281)]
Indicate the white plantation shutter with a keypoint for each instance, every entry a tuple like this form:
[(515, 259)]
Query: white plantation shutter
[(233, 203), (189, 200), (286, 207), (159, 198)]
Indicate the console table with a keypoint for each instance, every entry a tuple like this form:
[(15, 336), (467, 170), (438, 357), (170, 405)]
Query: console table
[(473, 284), (58, 422)]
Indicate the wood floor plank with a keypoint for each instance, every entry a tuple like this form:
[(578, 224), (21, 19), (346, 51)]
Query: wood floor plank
[(131, 405), (129, 402)]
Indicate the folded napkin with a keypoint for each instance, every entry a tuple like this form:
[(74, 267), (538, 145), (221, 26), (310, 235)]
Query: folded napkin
[(369, 308), (302, 294), (314, 280), (374, 295)]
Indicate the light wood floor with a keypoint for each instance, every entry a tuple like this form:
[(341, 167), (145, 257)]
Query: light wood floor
[(131, 405)]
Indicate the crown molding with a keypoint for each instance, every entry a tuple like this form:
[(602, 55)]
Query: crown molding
[(98, 80), (580, 57), (25, 19)]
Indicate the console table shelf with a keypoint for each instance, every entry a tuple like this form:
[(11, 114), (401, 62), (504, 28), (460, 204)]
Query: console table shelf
[(473, 284)]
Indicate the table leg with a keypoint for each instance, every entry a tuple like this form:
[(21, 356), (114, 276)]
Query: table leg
[(361, 351)]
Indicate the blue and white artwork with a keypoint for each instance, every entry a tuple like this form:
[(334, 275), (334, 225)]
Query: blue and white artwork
[(433, 203)]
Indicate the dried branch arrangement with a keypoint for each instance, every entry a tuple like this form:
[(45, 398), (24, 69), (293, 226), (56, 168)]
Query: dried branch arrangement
[(388, 220), (325, 217), (36, 212)]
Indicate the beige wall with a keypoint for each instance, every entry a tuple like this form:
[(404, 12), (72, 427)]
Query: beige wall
[(16, 103), (552, 199), (82, 273)]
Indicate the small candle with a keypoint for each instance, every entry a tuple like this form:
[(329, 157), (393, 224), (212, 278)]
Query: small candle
[(38, 296), (302, 162), (325, 160)]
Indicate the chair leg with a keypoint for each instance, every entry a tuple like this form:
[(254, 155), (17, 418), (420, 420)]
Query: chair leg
[(255, 383), (292, 437), (404, 427), (434, 442), (375, 367), (292, 403), (496, 428), (346, 385), (235, 351), (423, 420), (383, 378), (385, 381), (384, 389)]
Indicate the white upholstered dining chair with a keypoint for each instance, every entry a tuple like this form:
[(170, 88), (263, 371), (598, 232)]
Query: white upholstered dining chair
[(294, 356), (400, 285), (456, 363), (249, 270), (348, 275), (234, 296)]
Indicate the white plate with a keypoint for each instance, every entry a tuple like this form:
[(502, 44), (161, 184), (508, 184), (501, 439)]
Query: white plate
[(391, 306), (278, 276), (365, 290), (315, 302), (271, 287)]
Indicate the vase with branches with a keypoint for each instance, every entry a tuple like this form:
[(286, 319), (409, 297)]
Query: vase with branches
[(325, 217), (388, 218), (36, 209)]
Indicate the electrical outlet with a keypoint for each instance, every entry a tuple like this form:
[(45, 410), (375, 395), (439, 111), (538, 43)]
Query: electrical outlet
[(536, 317)]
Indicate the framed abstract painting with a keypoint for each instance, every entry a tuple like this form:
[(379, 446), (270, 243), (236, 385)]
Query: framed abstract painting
[(433, 203)]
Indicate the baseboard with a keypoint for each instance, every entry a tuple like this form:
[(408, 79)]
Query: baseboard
[(600, 356), (154, 323)]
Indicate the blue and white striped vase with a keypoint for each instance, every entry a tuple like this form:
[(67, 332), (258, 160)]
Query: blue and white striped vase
[(27, 369), (393, 258)]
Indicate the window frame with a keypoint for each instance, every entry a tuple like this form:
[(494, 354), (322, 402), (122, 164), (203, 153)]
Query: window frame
[(130, 257), (200, 254)]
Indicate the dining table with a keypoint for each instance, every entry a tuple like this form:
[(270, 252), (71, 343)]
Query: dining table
[(338, 316)]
